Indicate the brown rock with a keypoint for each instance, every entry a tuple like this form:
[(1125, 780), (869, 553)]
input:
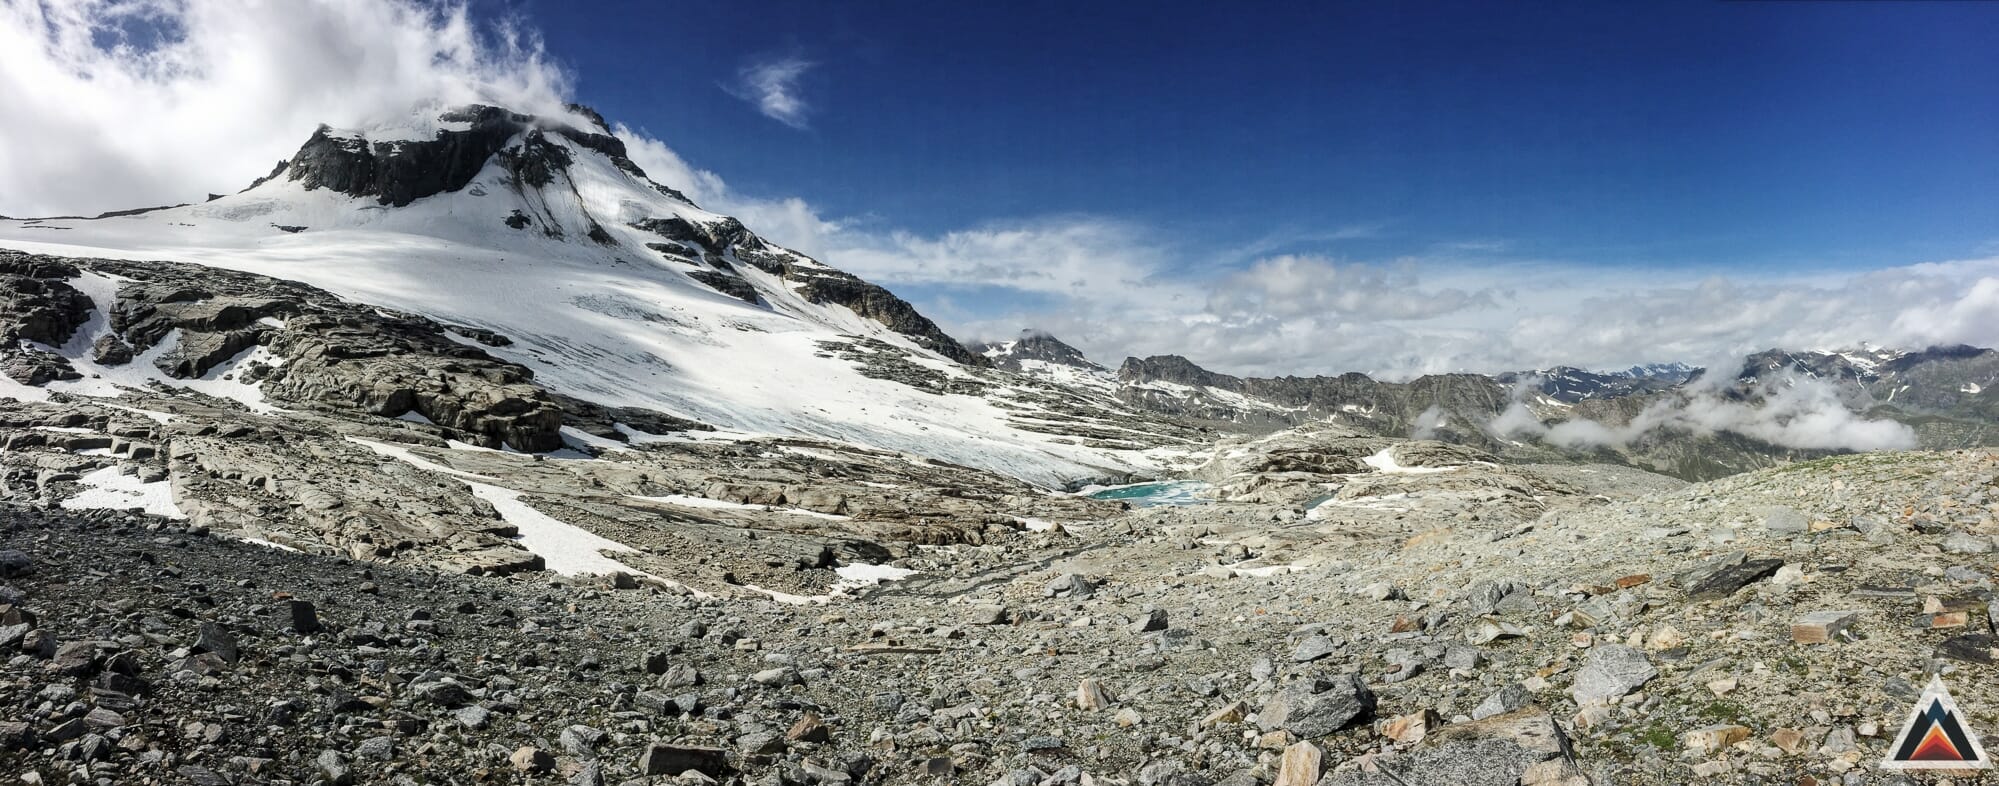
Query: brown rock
[(1303, 764), (1949, 619), (532, 759), (1410, 729), (1233, 712), (1790, 741), (809, 729), (1713, 739), (1819, 627)]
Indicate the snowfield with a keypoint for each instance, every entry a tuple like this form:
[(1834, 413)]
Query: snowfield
[(615, 323)]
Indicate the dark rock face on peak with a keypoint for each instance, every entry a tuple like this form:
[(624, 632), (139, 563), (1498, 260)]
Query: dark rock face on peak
[(398, 172), (594, 116), (1033, 345), (724, 243)]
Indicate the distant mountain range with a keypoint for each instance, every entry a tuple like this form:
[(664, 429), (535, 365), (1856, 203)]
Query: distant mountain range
[(1943, 394)]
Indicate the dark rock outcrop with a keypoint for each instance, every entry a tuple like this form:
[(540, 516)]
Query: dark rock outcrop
[(398, 172), (37, 304), (335, 355), (726, 241)]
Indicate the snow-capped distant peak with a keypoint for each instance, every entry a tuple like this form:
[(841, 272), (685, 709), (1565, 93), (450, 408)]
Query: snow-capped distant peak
[(1034, 345)]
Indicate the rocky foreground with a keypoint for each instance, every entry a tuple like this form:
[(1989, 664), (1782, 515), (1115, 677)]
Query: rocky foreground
[(1767, 628)]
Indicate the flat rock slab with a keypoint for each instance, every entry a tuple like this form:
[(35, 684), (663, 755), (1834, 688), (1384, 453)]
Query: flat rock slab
[(1611, 671), (1724, 576), (675, 759), (1970, 648), (1819, 627)]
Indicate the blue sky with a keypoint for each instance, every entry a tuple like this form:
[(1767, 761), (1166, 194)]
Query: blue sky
[(1787, 136), (1394, 188)]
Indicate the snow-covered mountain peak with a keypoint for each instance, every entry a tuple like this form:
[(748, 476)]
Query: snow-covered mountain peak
[(613, 289)]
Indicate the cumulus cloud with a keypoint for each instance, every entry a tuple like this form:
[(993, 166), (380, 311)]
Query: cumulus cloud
[(1793, 411), (1294, 286), (772, 87), (113, 104)]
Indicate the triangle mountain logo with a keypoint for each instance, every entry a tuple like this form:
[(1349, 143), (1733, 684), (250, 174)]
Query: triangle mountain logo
[(1936, 737)]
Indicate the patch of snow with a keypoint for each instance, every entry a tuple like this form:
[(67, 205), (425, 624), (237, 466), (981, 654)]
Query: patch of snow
[(414, 416), (11, 389), (110, 489), (1262, 571), (65, 429), (1862, 362), (578, 438), (690, 501), (565, 548), (406, 456), (861, 574), (269, 544), (1367, 503), (1385, 462), (853, 577)]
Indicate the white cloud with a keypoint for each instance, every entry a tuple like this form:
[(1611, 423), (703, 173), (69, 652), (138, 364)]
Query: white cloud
[(1400, 320), (1299, 286), (772, 87), (1793, 411), (102, 114)]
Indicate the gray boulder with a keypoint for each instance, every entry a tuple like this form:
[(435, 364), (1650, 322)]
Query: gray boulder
[(1611, 671), (1316, 707)]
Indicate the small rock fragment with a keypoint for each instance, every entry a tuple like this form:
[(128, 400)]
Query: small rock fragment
[(1713, 739), (1091, 695)]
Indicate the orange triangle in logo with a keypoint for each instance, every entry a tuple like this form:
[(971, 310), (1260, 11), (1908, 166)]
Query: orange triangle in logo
[(1936, 747)]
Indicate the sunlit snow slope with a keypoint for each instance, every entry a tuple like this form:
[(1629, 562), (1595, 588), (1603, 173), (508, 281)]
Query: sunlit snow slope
[(597, 275)]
